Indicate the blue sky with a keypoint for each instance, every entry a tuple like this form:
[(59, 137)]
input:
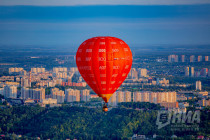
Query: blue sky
[(138, 23)]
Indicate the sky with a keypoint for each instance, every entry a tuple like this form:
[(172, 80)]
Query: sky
[(137, 22)]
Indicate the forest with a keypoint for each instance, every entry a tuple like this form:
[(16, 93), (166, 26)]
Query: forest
[(69, 122)]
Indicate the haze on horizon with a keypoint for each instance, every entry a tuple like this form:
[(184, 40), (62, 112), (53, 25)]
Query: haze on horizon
[(70, 23)]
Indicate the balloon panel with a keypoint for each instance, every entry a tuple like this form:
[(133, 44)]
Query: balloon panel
[(104, 63)]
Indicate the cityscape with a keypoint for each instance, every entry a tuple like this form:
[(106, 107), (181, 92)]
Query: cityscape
[(44, 94), (64, 86)]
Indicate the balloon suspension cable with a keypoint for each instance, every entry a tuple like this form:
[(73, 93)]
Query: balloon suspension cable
[(105, 108)]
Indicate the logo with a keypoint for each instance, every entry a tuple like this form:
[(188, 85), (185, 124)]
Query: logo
[(185, 120)]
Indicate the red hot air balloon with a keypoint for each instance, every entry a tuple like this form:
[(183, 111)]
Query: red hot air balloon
[(104, 63)]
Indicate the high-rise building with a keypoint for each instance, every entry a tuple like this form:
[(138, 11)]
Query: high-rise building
[(2, 91), (72, 95), (176, 58), (137, 96), (85, 95), (60, 72), (133, 73), (113, 99), (26, 93), (198, 85), (183, 58), (127, 96), (37, 70), (191, 72), (42, 70), (60, 75), (145, 96), (37, 93), (171, 97), (15, 69), (159, 97), (142, 72), (120, 96), (25, 82), (73, 69), (199, 58), (59, 69), (204, 72), (162, 81), (206, 58), (11, 70), (58, 94), (154, 97), (33, 70), (192, 58), (169, 58), (197, 74), (166, 97), (10, 91), (204, 102), (129, 74), (173, 58), (187, 71)]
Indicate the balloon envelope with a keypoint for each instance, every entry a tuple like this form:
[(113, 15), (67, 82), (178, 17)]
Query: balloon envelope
[(104, 63)]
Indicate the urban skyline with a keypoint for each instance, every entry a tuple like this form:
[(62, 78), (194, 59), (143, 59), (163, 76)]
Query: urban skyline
[(108, 70)]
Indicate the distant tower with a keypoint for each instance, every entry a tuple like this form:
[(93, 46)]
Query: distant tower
[(30, 79), (176, 58), (183, 58), (142, 72), (120, 96), (199, 58), (197, 74), (173, 58), (113, 100), (198, 85), (169, 58), (127, 96), (191, 72), (204, 72), (192, 58), (186, 71), (206, 58), (10, 91)]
